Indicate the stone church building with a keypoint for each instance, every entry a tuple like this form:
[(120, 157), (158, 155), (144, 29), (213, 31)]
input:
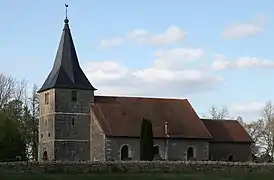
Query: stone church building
[(75, 124)]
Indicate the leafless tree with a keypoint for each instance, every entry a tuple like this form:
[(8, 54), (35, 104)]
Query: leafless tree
[(7, 84), (268, 132), (218, 114), (34, 110), (20, 91), (241, 121), (10, 89), (255, 130)]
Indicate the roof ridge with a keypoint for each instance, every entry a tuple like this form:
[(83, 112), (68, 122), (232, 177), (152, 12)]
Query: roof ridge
[(207, 119), (141, 97)]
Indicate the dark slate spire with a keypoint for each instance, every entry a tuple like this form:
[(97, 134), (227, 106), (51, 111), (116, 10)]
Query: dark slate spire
[(66, 72)]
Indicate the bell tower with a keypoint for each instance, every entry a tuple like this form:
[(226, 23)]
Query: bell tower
[(64, 102)]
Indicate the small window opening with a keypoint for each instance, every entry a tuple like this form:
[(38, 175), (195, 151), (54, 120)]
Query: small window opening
[(73, 156), (45, 156), (47, 98), (41, 136), (48, 134), (74, 96), (72, 121)]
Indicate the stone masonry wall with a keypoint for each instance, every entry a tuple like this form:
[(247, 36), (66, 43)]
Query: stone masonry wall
[(137, 167), (46, 125), (97, 140), (72, 151), (221, 151), (64, 125), (72, 124), (64, 104), (177, 149)]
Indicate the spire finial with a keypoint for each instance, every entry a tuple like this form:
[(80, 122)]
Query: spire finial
[(66, 20)]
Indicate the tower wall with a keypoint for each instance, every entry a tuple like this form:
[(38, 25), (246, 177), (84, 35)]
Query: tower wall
[(46, 125), (72, 139), (70, 124)]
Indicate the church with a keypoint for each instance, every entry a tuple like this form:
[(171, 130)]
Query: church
[(77, 125)]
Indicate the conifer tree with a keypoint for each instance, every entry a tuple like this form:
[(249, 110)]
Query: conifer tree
[(146, 143)]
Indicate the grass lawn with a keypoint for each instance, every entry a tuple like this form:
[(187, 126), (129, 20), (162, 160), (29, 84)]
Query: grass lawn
[(129, 176)]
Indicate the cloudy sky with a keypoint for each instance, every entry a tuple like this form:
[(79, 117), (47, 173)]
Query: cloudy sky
[(210, 52)]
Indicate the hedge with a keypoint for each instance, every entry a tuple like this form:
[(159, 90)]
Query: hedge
[(133, 166)]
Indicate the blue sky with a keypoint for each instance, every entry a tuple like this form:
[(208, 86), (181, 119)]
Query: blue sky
[(211, 52)]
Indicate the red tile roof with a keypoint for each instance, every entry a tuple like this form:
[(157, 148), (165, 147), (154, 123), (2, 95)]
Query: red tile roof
[(122, 116), (226, 131)]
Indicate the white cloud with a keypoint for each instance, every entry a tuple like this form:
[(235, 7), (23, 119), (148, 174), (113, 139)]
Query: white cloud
[(137, 34), (220, 62), (171, 35), (248, 107), (176, 58), (108, 43), (241, 30), (113, 78), (249, 111)]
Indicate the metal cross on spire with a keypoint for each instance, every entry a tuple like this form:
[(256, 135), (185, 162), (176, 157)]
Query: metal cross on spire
[(66, 6), (66, 20)]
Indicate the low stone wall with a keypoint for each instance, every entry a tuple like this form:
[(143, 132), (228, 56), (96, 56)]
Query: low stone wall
[(134, 167)]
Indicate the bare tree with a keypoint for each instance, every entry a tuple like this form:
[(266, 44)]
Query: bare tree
[(255, 130), (218, 114), (241, 121), (20, 91), (10, 89), (268, 132), (7, 84), (34, 110)]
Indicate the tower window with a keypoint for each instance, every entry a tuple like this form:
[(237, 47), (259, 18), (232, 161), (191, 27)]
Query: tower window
[(72, 121), (48, 134), (74, 96), (41, 136), (47, 98)]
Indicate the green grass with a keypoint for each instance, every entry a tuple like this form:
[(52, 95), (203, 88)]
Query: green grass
[(129, 176)]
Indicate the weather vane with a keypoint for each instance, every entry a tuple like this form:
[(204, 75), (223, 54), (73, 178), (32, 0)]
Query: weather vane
[(66, 10)]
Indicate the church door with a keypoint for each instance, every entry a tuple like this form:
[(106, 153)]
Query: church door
[(124, 153), (190, 153), (45, 156)]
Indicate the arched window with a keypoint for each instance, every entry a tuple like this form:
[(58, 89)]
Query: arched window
[(125, 153), (190, 153), (156, 151), (45, 156), (230, 157)]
